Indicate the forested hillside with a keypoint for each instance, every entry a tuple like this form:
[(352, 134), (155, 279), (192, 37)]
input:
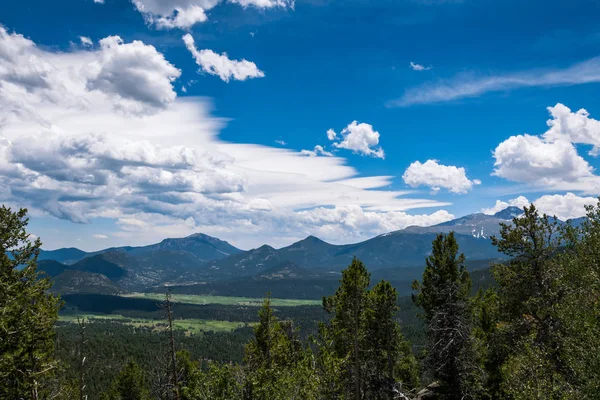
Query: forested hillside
[(528, 328)]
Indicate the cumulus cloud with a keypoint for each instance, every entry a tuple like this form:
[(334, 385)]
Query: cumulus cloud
[(317, 151), (220, 65), (132, 77), (183, 14), (531, 159), (66, 152), (550, 161), (331, 134), (418, 67), (361, 138), (575, 127), (99, 236), (354, 222), (181, 18), (466, 86), (437, 176), (85, 41), (133, 72), (99, 1), (264, 3), (564, 207), (280, 142), (500, 205)]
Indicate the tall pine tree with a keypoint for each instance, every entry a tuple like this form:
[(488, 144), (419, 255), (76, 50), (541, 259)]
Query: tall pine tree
[(443, 295), (348, 325), (391, 366), (27, 312)]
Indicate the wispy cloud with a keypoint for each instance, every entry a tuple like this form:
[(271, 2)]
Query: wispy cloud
[(463, 86), (418, 67)]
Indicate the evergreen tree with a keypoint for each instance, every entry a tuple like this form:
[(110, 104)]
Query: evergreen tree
[(444, 297), (277, 365), (27, 312), (549, 309), (530, 286), (391, 366), (348, 325), (130, 384)]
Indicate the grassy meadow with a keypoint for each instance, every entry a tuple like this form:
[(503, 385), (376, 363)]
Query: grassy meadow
[(190, 326), (224, 300)]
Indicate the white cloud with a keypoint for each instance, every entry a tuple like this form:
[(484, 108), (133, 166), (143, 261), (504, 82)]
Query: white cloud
[(576, 127), (181, 18), (500, 205), (280, 142), (99, 1), (436, 176), (99, 236), (530, 159), (550, 161), (264, 3), (317, 151), (418, 67), (220, 65), (86, 41), (346, 223), (564, 207), (183, 14), (67, 153), (133, 71), (361, 138), (465, 86)]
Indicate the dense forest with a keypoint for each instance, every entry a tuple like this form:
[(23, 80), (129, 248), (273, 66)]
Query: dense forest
[(532, 334)]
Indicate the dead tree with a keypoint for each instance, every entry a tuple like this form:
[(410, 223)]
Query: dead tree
[(173, 378)]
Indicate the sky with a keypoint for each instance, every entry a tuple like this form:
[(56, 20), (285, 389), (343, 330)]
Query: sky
[(123, 122)]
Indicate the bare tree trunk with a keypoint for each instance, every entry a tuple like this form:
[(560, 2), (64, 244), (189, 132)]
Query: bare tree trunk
[(168, 307), (82, 358)]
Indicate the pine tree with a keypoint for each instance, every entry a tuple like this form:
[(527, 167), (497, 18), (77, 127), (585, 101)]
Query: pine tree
[(130, 384), (348, 325), (391, 366), (27, 311), (444, 297), (548, 309), (277, 365)]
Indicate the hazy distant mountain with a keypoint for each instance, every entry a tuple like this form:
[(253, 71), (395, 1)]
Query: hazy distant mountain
[(66, 256), (201, 246), (477, 225), (138, 267), (51, 267), (199, 262)]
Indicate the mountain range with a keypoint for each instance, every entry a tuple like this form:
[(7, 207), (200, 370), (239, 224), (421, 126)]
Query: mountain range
[(198, 262)]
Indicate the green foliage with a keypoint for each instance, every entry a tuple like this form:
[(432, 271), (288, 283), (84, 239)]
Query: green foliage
[(130, 384), (27, 312), (362, 353), (218, 382), (534, 334), (349, 322), (389, 357), (278, 367), (444, 297), (529, 288)]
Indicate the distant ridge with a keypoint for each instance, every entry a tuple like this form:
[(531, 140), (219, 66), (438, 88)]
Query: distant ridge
[(199, 259)]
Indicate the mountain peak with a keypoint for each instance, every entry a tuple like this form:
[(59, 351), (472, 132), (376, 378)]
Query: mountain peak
[(509, 212), (312, 239)]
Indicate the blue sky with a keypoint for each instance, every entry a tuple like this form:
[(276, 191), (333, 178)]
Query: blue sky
[(450, 87)]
